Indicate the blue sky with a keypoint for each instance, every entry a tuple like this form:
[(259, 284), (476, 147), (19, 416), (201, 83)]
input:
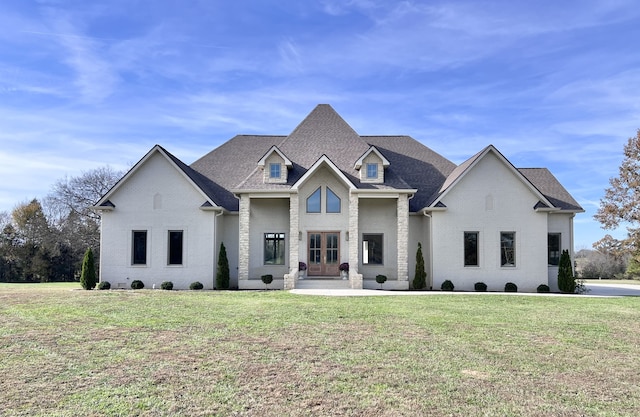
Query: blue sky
[(551, 84)]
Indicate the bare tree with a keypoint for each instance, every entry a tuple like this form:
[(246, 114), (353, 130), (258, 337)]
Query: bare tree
[(77, 194)]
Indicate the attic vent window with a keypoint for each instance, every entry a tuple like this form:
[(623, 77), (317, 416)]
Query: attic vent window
[(274, 170), (372, 170)]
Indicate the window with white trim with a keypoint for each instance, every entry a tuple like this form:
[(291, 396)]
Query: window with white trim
[(274, 170), (372, 171)]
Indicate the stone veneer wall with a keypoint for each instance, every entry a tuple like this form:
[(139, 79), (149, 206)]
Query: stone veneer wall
[(403, 238), (243, 261)]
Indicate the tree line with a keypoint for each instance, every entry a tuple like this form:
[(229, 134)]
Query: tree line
[(45, 240)]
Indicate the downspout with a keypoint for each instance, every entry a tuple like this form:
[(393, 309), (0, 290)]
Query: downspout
[(430, 248), (573, 261)]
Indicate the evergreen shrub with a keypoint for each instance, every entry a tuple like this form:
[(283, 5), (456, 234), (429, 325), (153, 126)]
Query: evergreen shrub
[(196, 286), (510, 287), (447, 285), (136, 284), (543, 288), (222, 275), (104, 285), (480, 287), (167, 285)]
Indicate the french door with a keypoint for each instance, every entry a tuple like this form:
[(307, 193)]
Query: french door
[(324, 253)]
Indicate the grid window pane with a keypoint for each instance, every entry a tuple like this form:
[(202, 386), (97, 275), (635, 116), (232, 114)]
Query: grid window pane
[(507, 249), (372, 170), (274, 170)]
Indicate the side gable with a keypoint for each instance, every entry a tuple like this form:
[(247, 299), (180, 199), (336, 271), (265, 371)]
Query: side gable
[(199, 183), (463, 169)]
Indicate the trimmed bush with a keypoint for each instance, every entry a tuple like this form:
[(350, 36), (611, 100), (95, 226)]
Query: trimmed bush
[(104, 285), (88, 277), (196, 286), (136, 284), (543, 288), (381, 279), (222, 275), (447, 285), (566, 280), (167, 285), (480, 287), (420, 276), (510, 287)]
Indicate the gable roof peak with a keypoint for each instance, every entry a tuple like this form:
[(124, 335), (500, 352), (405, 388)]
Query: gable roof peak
[(324, 120)]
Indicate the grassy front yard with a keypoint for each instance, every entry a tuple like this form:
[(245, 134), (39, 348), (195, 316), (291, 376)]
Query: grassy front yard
[(69, 352)]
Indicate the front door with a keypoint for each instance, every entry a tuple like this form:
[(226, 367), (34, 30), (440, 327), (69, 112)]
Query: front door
[(324, 253)]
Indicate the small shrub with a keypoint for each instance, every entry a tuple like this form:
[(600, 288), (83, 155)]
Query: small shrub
[(196, 286), (480, 287), (104, 285), (167, 285), (543, 288), (267, 279), (381, 279), (510, 287), (447, 285), (136, 284)]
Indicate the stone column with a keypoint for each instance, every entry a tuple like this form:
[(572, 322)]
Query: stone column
[(294, 243), (243, 254), (355, 278), (403, 239)]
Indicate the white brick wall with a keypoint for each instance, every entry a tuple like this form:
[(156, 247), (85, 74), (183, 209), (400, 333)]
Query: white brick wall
[(158, 198)]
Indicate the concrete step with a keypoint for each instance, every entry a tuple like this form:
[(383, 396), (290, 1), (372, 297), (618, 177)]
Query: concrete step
[(327, 284)]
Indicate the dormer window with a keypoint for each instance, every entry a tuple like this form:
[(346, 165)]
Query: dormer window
[(272, 164), (274, 170), (372, 165), (372, 171)]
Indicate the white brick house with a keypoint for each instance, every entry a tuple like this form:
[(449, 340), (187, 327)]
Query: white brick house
[(325, 195)]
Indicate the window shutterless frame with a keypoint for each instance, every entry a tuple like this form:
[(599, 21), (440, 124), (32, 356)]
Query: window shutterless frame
[(175, 247), (139, 247)]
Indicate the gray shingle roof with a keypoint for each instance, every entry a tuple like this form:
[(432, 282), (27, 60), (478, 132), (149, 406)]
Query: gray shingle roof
[(551, 188), (234, 165)]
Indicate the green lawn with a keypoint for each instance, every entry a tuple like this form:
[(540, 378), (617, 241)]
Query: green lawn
[(67, 352)]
